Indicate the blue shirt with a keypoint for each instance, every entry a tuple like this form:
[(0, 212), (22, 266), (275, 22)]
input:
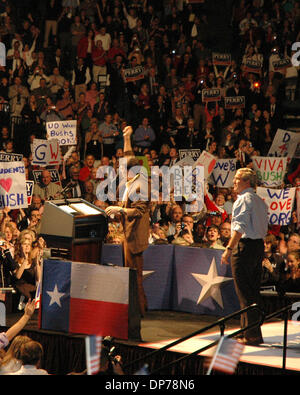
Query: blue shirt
[(250, 215)]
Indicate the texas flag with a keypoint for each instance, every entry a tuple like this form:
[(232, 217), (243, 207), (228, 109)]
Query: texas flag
[(85, 298)]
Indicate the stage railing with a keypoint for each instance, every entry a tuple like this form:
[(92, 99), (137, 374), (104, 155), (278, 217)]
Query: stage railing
[(221, 323)]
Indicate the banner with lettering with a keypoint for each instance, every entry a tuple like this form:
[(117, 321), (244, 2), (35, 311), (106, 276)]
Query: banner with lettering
[(223, 173), (253, 66), (270, 171), (209, 95), (221, 59), (13, 191), (193, 153), (9, 157), (280, 204), (64, 131), (281, 64), (134, 73), (45, 152), (284, 144), (29, 189), (234, 102), (37, 176)]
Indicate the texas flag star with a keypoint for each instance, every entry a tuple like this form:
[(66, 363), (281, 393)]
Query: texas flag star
[(211, 283), (55, 296)]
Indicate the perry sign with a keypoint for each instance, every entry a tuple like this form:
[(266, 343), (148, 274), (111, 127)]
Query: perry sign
[(64, 131), (13, 191)]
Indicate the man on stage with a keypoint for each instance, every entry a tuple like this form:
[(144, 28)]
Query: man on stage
[(246, 248), (134, 214)]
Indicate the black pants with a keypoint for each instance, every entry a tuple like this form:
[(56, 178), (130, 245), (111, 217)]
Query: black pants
[(246, 263)]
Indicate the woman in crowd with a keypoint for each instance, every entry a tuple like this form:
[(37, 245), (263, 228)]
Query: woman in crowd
[(29, 269)]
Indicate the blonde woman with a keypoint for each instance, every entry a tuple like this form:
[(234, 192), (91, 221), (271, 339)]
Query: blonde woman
[(28, 272)]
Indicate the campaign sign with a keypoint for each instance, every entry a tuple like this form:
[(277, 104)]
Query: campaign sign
[(209, 95), (45, 152), (280, 204), (64, 131), (234, 102), (8, 157), (270, 171), (221, 59), (13, 192), (281, 64), (37, 174), (193, 153), (208, 161), (253, 66), (134, 73), (223, 173), (29, 189), (284, 144)]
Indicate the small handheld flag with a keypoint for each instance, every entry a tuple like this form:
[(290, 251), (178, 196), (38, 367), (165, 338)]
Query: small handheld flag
[(93, 352), (227, 355)]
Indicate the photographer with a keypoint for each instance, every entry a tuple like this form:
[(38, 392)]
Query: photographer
[(7, 265), (110, 361)]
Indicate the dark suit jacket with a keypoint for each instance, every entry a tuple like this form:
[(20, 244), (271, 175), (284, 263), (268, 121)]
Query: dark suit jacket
[(136, 221)]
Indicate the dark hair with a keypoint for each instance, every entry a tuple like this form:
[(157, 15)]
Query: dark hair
[(31, 353)]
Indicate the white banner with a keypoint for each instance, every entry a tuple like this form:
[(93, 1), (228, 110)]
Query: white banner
[(45, 152), (270, 171), (64, 131), (223, 173), (208, 161), (284, 144), (280, 204), (13, 191)]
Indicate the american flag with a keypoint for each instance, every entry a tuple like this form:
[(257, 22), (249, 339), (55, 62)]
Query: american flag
[(93, 351), (38, 295), (227, 355)]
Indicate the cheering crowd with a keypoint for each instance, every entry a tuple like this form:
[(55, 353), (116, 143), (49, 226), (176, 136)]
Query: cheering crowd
[(108, 64)]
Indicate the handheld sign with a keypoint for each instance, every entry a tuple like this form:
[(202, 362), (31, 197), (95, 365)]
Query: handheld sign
[(280, 204), (270, 171), (13, 191), (45, 152), (64, 131)]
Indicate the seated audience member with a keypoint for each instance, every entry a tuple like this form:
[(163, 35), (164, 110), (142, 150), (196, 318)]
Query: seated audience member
[(158, 235), (290, 281), (273, 263), (72, 186), (47, 189), (225, 232), (292, 244), (6, 337), (213, 238), (175, 217), (11, 361), (30, 356)]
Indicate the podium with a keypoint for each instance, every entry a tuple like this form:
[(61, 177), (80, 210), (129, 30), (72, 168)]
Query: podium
[(74, 229)]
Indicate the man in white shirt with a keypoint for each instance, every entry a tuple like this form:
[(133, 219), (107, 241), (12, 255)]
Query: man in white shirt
[(104, 37)]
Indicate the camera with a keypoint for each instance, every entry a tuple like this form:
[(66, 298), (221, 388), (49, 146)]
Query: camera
[(2, 243), (108, 343), (173, 52), (183, 225)]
